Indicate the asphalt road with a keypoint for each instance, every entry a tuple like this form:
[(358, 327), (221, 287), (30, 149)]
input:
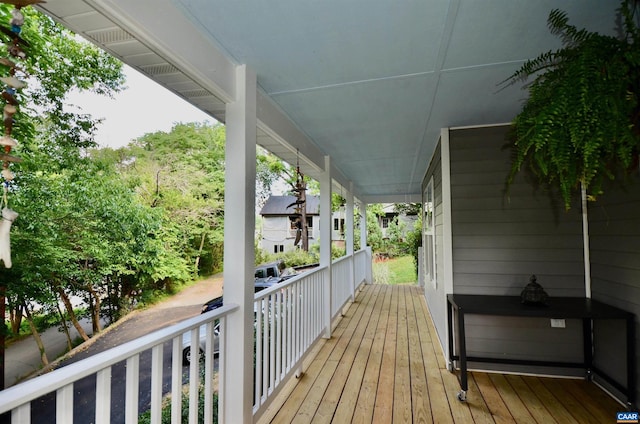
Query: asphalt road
[(179, 307)]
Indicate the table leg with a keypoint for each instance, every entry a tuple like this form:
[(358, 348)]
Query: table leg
[(450, 365), (631, 362), (587, 340), (462, 346)]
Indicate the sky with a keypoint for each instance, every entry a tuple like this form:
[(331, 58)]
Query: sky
[(143, 107)]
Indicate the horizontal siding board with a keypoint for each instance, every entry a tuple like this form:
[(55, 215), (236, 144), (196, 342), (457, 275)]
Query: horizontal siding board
[(551, 254), (539, 241), (515, 229), (515, 267)]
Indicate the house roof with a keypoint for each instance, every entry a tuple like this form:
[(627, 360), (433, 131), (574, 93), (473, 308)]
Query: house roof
[(277, 206), (369, 84)]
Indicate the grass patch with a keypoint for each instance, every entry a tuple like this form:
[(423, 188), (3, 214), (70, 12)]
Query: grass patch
[(399, 270)]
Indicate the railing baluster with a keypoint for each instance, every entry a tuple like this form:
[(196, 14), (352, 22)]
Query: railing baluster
[(194, 369), (22, 414), (176, 379), (64, 404), (259, 340), (132, 380), (103, 396), (208, 374), (156, 384)]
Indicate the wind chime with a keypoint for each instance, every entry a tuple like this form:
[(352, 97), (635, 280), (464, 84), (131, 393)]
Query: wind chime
[(12, 86), (299, 216)]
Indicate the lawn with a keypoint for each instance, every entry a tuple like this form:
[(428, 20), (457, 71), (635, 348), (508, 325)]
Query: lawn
[(399, 270)]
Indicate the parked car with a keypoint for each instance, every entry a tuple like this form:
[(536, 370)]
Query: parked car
[(258, 286), (186, 342)]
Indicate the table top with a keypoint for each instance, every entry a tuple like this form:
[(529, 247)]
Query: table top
[(555, 307)]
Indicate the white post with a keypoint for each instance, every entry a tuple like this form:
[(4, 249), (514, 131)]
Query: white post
[(239, 256), (363, 236), (325, 241), (363, 225), (349, 241)]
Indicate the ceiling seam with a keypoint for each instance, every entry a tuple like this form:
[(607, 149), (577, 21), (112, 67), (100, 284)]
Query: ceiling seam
[(346, 84), (447, 33)]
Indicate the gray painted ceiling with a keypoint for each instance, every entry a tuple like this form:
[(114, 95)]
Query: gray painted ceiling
[(369, 83)]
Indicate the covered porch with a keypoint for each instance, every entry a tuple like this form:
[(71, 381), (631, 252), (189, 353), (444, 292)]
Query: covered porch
[(384, 364)]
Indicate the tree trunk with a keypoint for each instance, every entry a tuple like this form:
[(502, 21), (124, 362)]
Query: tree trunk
[(63, 321), (95, 310), (36, 335), (197, 264), (72, 315), (15, 317)]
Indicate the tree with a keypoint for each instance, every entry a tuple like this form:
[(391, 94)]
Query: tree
[(181, 173), (54, 63)]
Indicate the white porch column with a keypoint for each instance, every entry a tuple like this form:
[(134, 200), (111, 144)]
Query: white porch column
[(363, 235), (325, 241), (349, 240), (363, 225), (239, 256)]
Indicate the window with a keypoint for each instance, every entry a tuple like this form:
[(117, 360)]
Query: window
[(336, 224), (278, 248), (385, 222), (429, 241), (309, 222)]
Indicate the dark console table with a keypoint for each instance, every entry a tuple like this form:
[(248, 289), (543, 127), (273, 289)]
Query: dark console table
[(585, 309)]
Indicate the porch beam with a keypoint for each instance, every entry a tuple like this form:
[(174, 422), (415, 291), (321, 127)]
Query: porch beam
[(325, 241), (239, 255)]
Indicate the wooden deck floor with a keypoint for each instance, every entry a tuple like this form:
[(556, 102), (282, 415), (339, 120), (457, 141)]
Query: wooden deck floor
[(383, 365)]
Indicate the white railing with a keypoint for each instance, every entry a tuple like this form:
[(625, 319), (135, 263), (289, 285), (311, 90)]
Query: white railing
[(18, 399), (341, 284), (289, 320), (362, 263)]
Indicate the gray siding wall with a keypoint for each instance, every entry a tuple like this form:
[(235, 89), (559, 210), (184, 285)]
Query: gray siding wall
[(499, 240), (614, 229)]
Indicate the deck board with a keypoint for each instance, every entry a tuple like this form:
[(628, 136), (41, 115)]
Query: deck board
[(383, 364)]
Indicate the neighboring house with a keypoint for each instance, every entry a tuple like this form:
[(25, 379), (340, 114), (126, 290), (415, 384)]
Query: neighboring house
[(279, 230), (405, 221)]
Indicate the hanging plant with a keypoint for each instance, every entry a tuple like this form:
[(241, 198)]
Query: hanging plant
[(581, 123)]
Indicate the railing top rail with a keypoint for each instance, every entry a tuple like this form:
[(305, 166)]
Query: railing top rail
[(341, 259), (32, 389), (307, 274)]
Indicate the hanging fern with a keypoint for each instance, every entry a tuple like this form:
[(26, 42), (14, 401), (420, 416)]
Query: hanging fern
[(581, 122)]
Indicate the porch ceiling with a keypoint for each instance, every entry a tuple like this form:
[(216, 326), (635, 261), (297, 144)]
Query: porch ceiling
[(368, 83)]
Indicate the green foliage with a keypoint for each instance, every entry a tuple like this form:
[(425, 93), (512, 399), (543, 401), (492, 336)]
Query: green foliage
[(581, 122), (398, 270), (145, 418), (414, 241), (297, 257)]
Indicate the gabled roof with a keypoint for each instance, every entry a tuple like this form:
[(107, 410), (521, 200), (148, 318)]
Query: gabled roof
[(277, 206)]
